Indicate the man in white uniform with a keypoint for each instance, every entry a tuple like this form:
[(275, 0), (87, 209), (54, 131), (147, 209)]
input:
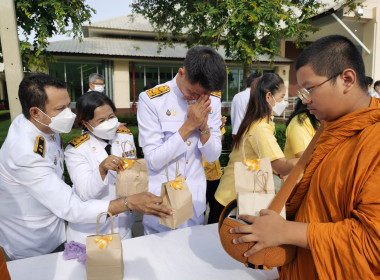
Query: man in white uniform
[(239, 104), (34, 200), (181, 120)]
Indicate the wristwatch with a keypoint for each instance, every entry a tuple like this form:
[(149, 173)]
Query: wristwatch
[(126, 205)]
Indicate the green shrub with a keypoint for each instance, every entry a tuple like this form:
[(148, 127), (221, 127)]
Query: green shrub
[(5, 115), (129, 120)]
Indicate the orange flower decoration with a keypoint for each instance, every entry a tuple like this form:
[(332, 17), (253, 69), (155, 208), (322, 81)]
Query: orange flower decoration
[(252, 163), (176, 184), (128, 163), (104, 241)]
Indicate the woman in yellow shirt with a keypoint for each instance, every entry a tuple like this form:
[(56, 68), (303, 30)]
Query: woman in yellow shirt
[(267, 96), (301, 128)]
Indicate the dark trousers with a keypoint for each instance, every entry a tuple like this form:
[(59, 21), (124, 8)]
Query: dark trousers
[(215, 207)]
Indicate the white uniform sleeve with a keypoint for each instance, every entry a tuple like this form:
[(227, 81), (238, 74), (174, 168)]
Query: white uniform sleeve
[(87, 181), (212, 149), (157, 151), (38, 176), (234, 117)]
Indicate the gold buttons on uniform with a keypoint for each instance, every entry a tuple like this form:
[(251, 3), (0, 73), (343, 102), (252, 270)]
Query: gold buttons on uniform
[(117, 142), (188, 143), (186, 178), (93, 148), (187, 162)]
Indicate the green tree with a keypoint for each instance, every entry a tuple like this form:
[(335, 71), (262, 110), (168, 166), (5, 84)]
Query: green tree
[(42, 19), (246, 28)]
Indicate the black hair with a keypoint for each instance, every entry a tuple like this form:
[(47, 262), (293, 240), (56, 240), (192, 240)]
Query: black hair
[(368, 80), (149, 85), (331, 55), (377, 83), (31, 91), (205, 66), (301, 112), (87, 103), (252, 77), (258, 107)]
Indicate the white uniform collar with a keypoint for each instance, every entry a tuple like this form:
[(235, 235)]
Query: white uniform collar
[(31, 127)]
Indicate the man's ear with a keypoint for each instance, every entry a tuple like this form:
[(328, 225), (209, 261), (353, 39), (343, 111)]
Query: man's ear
[(34, 113), (349, 79), (181, 72)]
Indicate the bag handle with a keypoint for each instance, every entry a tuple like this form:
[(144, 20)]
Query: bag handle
[(257, 143), (176, 168), (287, 187), (123, 147), (98, 218)]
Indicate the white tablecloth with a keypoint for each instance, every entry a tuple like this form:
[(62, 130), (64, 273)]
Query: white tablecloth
[(191, 253)]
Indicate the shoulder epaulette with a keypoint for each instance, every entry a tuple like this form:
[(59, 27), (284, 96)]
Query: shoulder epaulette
[(154, 92), (123, 130), (216, 94), (39, 146), (76, 142)]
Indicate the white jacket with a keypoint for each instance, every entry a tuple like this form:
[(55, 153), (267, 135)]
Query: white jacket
[(34, 200), (83, 166), (159, 119)]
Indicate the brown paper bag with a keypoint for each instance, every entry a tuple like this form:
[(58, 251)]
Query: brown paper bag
[(176, 196), (254, 183), (104, 254), (134, 178)]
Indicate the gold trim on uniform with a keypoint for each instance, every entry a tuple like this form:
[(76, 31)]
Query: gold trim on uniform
[(216, 94), (39, 146), (76, 142), (154, 92), (123, 130)]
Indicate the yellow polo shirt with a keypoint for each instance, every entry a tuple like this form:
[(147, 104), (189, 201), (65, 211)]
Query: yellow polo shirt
[(298, 136), (268, 147)]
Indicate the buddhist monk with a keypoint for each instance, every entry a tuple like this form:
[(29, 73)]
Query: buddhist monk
[(333, 214)]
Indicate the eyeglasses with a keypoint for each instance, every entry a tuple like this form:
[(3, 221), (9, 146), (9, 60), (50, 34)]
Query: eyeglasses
[(304, 93)]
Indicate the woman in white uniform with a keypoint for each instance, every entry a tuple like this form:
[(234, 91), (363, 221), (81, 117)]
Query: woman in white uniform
[(94, 158)]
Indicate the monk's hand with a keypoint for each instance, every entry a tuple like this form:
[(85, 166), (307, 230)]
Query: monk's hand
[(267, 230), (148, 204), (197, 113)]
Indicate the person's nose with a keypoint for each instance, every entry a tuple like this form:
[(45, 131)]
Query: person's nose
[(305, 101)]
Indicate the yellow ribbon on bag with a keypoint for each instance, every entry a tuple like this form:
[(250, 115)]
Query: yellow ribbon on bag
[(103, 241), (252, 163), (128, 163), (176, 184)]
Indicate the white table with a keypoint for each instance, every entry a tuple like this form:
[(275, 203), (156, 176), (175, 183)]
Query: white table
[(191, 253)]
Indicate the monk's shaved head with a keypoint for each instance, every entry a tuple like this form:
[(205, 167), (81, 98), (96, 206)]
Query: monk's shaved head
[(331, 55)]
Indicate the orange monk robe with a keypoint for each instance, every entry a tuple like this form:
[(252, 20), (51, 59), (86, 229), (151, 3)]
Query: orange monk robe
[(4, 274), (339, 196)]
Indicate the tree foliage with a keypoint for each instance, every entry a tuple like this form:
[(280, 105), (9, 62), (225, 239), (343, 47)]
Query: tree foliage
[(41, 19), (246, 28)]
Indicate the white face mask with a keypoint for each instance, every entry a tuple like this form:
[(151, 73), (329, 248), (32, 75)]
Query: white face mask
[(99, 88), (106, 130), (61, 123), (278, 107)]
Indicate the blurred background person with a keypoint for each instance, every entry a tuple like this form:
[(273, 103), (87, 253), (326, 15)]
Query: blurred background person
[(376, 91), (96, 82), (269, 96), (369, 82), (239, 104), (300, 129)]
